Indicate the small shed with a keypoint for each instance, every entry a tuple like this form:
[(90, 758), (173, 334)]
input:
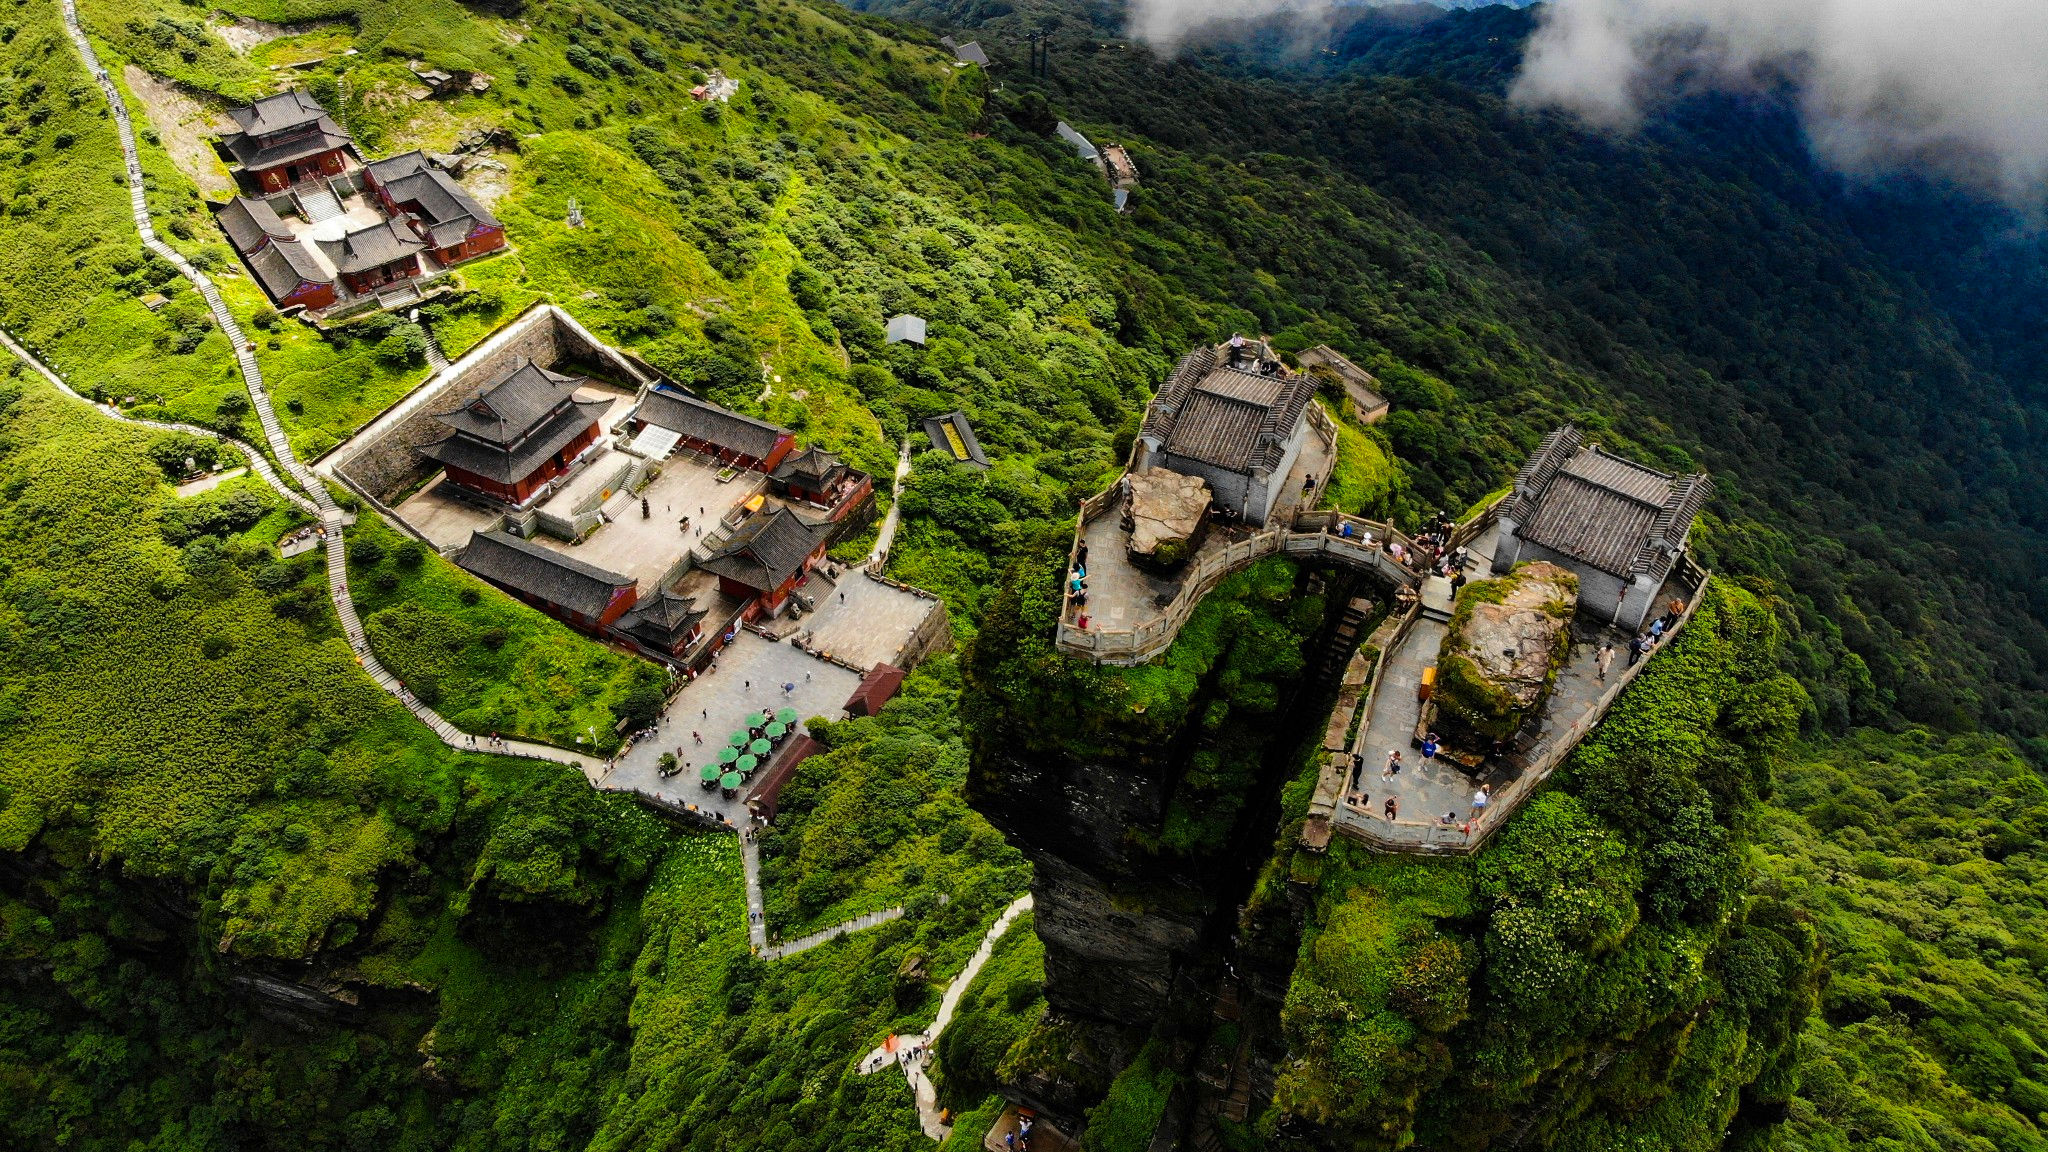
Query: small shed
[(971, 53), (954, 436), (906, 329), (877, 688)]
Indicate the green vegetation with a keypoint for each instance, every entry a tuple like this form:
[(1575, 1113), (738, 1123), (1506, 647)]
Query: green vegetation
[(995, 1017), (202, 798), (1127, 1116), (878, 821), (1920, 862), (1608, 924), (482, 659), (1240, 654)]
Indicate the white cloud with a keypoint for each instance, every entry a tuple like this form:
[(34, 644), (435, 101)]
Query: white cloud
[(1957, 84)]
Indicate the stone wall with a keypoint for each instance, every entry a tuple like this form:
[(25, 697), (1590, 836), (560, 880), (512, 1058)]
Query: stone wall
[(385, 459)]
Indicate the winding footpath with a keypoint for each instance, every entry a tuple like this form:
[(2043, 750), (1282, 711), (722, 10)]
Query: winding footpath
[(315, 499), (312, 496), (911, 1052)]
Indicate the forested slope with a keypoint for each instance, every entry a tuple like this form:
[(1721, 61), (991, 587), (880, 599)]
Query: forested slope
[(203, 800)]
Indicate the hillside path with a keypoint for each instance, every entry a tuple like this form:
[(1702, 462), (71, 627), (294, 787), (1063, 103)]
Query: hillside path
[(321, 503), (317, 501), (878, 556), (912, 1053)]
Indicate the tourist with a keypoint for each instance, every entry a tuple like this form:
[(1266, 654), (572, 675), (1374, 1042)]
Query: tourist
[(1393, 767), (1429, 747), (1656, 631), (1605, 659), (1481, 799), (1635, 649), (1449, 818), (1393, 809), (1357, 774), (1457, 582), (1081, 555), (697, 736)]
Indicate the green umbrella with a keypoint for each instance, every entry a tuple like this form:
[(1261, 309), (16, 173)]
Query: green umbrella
[(778, 730), (757, 719), (738, 739), (708, 773), (786, 715), (730, 780), (728, 755), (746, 764), (760, 747)]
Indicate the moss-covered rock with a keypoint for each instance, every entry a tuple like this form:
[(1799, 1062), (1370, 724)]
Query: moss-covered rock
[(1508, 637)]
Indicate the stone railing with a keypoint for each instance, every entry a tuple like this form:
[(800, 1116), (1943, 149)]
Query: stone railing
[(1213, 566), (1473, 833)]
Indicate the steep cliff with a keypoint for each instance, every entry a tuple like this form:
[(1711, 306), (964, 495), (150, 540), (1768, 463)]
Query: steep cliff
[(1141, 796)]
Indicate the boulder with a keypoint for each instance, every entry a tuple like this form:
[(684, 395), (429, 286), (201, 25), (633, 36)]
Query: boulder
[(1164, 514), (1508, 637)]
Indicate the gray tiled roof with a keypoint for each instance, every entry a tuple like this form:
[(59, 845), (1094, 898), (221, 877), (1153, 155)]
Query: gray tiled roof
[(283, 266), (710, 423), (513, 463), (1233, 419), (771, 549), (253, 151), (379, 244), (522, 566), (1613, 514), (813, 464), (278, 113), (447, 210), (250, 224), (511, 406), (663, 618), (971, 53), (935, 431)]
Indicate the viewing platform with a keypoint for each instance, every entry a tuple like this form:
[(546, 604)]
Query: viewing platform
[(1351, 794)]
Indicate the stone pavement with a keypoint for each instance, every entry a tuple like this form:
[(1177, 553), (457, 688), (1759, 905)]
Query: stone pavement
[(718, 703)]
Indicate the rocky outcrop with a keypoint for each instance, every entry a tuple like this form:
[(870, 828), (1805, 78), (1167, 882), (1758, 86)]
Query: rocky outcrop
[(1506, 642), (1164, 515)]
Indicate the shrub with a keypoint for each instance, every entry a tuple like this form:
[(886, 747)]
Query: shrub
[(365, 552), (409, 555)]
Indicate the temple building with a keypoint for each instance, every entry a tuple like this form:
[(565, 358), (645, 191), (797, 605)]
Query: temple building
[(451, 221), (288, 271), (1619, 525), (286, 139), (820, 479), (741, 441), (664, 625), (571, 591), (767, 558), (384, 253), (1234, 416), (518, 434)]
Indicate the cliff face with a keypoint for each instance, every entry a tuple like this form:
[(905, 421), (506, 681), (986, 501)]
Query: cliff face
[(1144, 799)]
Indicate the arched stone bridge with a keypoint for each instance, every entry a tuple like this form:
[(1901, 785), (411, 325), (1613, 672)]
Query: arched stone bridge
[(1134, 616)]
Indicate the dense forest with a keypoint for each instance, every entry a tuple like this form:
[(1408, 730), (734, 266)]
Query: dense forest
[(245, 902)]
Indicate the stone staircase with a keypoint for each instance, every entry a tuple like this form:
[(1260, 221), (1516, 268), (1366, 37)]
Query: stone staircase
[(436, 359), (1436, 599), (317, 201)]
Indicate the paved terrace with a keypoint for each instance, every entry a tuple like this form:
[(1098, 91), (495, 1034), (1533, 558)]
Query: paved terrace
[(1425, 792), (1134, 613)]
